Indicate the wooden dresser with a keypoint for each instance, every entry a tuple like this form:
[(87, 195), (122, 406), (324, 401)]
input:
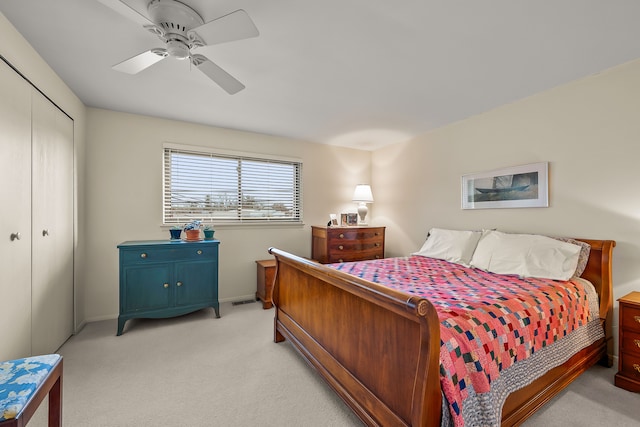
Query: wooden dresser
[(344, 244), (628, 376)]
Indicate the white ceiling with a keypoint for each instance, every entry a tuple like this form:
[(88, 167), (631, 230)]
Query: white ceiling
[(356, 73)]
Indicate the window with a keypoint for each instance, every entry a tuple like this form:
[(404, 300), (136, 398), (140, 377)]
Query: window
[(219, 187)]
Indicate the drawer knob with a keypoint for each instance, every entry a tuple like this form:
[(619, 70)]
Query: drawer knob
[(199, 252), (637, 343), (636, 318), (636, 367), (143, 255), (377, 244), (341, 236), (377, 256), (340, 260), (341, 247), (376, 233), (179, 284), (166, 285)]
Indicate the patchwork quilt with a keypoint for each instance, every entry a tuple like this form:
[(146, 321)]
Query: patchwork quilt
[(498, 333)]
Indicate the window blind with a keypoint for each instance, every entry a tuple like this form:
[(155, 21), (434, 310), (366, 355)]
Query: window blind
[(227, 188)]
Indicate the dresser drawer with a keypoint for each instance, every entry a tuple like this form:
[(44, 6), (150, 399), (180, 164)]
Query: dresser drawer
[(355, 256), (365, 235), (150, 255), (354, 245), (630, 317)]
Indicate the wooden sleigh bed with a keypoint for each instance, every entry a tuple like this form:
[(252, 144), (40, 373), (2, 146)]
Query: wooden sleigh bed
[(378, 348)]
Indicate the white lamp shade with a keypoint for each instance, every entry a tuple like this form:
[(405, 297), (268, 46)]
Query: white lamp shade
[(363, 194)]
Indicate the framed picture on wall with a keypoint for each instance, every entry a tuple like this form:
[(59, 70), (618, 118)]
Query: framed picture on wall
[(525, 186)]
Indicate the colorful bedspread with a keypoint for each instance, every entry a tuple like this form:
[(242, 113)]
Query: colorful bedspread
[(498, 333)]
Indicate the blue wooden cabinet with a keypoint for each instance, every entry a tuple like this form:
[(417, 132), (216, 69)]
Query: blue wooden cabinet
[(162, 278)]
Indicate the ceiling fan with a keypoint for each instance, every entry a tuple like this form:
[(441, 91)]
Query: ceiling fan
[(183, 30)]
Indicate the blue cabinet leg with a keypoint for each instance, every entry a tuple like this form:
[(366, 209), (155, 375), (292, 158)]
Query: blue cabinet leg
[(121, 323)]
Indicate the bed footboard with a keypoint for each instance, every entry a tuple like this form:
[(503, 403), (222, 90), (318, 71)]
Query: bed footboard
[(376, 347)]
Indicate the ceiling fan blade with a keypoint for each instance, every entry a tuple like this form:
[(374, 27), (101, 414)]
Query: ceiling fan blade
[(225, 80), (234, 26), (127, 11), (140, 62)]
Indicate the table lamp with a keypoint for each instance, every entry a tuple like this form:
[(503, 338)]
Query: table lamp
[(363, 195)]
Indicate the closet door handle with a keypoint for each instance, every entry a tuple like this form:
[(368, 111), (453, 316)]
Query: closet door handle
[(15, 236), (45, 233), (179, 284)]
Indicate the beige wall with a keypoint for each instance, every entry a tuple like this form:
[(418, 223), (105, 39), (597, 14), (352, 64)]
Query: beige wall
[(124, 198), (23, 57), (588, 131)]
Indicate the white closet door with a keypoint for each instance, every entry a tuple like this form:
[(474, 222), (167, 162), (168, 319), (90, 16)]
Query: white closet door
[(15, 214), (52, 226)]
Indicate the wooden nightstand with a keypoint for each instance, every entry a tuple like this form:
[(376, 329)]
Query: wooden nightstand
[(344, 244), (266, 274), (628, 376)]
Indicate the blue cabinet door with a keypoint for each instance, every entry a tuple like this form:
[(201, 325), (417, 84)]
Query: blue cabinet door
[(196, 282), (147, 288)]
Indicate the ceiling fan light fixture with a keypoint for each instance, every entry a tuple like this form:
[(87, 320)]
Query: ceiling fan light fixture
[(178, 49)]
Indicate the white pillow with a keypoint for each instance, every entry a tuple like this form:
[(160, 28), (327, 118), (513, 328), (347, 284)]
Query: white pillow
[(450, 245), (526, 255)]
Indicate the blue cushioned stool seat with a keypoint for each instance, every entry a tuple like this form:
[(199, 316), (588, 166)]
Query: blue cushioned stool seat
[(23, 385)]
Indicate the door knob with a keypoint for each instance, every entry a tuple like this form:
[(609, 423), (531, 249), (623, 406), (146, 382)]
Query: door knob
[(45, 233), (15, 236)]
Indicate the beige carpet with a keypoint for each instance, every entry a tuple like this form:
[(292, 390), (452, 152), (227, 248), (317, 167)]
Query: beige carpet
[(197, 370)]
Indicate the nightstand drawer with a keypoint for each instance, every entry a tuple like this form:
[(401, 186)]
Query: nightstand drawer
[(631, 366), (630, 342), (630, 317)]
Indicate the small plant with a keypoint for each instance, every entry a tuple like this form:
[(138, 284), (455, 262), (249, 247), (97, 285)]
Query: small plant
[(175, 227), (208, 227), (193, 225)]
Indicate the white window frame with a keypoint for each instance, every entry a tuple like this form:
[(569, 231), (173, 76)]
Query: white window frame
[(285, 203)]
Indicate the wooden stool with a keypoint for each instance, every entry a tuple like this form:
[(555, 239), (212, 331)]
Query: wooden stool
[(24, 383)]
